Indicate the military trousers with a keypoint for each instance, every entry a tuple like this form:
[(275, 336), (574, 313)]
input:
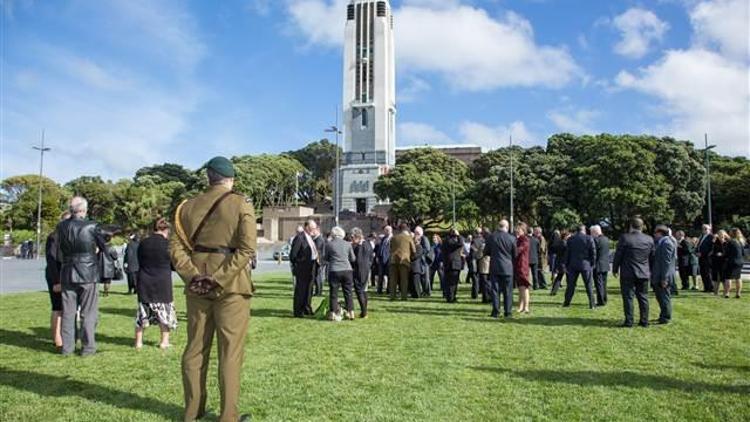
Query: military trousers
[(399, 276), (227, 316)]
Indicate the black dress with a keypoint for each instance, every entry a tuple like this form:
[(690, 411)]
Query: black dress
[(155, 299), (734, 260), (52, 272)]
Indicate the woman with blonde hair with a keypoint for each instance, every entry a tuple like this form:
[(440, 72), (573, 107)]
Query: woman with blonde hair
[(718, 262), (734, 262)]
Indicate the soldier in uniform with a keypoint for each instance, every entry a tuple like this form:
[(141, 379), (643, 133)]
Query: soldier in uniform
[(212, 249)]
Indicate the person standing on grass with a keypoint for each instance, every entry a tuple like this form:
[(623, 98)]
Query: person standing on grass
[(130, 262), (662, 275), (384, 256), (402, 251), (475, 255), (437, 263), (534, 260), (427, 257), (321, 271), (78, 240), (601, 268), (107, 263), (560, 252), (735, 260), (634, 258), (363, 254), (483, 269), (704, 249), (500, 246), (212, 249), (521, 267), (52, 274), (339, 258), (580, 260), (687, 261), (304, 259), (543, 257), (417, 270), (718, 262), (155, 301), (453, 263)]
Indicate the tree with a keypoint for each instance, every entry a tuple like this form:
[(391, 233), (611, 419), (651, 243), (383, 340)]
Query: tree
[(319, 158), (99, 194), (267, 179), (22, 196), (422, 185), (168, 172), (730, 190)]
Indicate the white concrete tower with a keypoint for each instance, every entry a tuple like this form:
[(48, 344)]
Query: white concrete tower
[(369, 102)]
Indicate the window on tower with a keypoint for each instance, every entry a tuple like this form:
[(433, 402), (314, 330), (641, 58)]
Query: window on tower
[(364, 117)]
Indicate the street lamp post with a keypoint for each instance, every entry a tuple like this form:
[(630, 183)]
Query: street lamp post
[(708, 180), (453, 190), (42, 149), (336, 197), (511, 180)]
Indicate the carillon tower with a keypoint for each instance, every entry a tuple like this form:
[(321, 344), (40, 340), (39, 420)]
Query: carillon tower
[(369, 103)]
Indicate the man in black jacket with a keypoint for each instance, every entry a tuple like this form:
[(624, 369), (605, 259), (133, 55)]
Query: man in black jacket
[(534, 261), (304, 258), (500, 246), (475, 255), (634, 258), (602, 264), (78, 242), (130, 261), (704, 249), (453, 263), (580, 259)]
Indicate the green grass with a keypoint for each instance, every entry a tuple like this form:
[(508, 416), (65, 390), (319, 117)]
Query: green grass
[(421, 360)]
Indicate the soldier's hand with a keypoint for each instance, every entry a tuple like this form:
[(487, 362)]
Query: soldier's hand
[(202, 284)]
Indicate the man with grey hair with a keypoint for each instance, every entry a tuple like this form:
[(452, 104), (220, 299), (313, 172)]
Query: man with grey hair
[(500, 246), (79, 240), (425, 258), (304, 257), (601, 268)]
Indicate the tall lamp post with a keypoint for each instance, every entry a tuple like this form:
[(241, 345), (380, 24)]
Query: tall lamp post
[(708, 180), (335, 129), (42, 149), (511, 181)]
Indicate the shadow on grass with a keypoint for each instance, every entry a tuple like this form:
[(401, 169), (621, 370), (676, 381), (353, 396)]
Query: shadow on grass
[(39, 340), (552, 321), (722, 367), (57, 386), (270, 313), (618, 379), (127, 312)]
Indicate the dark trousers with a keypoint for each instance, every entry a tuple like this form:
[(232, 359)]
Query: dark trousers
[(344, 280), (374, 273), (534, 270), (317, 285), (542, 279), (552, 261), (304, 274), (600, 282), (705, 270), (476, 286), (471, 274), (484, 288), (572, 280), (426, 283), (383, 271), (132, 281), (501, 285), (360, 289), (685, 274), (639, 289), (87, 297), (415, 287), (663, 297), (399, 277), (452, 277), (436, 269), (557, 283)]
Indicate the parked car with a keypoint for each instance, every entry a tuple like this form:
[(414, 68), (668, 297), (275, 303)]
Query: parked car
[(282, 253)]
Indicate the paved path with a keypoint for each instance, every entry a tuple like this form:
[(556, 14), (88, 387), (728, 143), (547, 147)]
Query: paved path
[(24, 275)]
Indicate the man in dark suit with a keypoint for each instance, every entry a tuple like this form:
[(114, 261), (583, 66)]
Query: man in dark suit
[(383, 257), (602, 264), (662, 275), (453, 263), (580, 260), (304, 257), (500, 246), (475, 255), (534, 261), (633, 260), (704, 248)]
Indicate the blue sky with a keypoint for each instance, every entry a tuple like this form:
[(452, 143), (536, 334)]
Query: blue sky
[(118, 85)]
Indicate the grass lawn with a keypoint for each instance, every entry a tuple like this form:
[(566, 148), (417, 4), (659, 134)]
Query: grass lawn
[(421, 360)]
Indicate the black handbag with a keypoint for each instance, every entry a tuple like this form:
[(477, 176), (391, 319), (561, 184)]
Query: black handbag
[(118, 274)]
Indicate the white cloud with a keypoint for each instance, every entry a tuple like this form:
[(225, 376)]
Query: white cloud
[(639, 30), (411, 89), (705, 88), (724, 23), (466, 46), (576, 121), (414, 133), (493, 137), (703, 92), (103, 113)]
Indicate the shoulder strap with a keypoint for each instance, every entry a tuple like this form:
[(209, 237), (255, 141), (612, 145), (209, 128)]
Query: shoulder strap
[(179, 230), (208, 215)]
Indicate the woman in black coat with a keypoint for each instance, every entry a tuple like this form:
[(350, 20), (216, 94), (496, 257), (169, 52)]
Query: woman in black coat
[(560, 249), (362, 266), (107, 263), (718, 262), (155, 301), (734, 262)]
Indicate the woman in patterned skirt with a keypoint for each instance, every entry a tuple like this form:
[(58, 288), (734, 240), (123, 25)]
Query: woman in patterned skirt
[(155, 301)]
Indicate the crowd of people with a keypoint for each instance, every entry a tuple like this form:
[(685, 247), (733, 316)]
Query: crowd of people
[(405, 264)]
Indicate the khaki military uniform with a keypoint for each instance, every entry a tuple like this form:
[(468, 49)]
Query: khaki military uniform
[(223, 248), (403, 251)]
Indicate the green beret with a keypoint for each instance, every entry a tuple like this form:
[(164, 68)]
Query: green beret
[(221, 165)]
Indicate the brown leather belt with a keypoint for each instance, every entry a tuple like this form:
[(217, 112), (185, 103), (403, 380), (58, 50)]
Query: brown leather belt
[(223, 251)]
